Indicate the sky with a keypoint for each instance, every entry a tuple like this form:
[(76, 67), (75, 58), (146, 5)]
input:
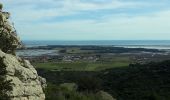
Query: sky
[(90, 19)]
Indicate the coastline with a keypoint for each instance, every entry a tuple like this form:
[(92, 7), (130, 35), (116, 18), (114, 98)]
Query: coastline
[(147, 44)]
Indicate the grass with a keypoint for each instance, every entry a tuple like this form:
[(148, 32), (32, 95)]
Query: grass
[(83, 66), (54, 92), (135, 82)]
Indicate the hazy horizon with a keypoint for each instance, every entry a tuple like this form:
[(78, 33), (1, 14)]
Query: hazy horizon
[(90, 19), (95, 39)]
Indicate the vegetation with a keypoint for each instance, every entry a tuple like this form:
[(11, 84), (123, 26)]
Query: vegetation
[(1, 6), (139, 82), (55, 92), (108, 70), (63, 51), (134, 82), (83, 84), (84, 66), (5, 86), (112, 49), (93, 49)]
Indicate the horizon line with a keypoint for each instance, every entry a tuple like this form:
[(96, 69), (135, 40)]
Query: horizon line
[(103, 40)]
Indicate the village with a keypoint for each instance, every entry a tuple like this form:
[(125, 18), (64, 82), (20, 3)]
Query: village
[(91, 54)]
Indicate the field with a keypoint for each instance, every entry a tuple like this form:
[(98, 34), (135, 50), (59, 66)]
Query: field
[(84, 66), (134, 82)]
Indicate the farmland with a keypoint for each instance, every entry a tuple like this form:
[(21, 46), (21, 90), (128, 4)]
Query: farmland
[(82, 66)]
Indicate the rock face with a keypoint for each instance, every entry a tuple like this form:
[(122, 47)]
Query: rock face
[(25, 82), (8, 37)]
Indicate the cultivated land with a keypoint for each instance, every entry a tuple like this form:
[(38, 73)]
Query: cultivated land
[(90, 58), (83, 65)]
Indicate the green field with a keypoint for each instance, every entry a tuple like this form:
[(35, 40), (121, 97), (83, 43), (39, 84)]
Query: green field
[(83, 66)]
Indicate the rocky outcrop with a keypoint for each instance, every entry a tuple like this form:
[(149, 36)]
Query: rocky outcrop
[(24, 81), (8, 35)]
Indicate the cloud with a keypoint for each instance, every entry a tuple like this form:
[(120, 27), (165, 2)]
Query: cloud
[(44, 9), (153, 26), (112, 19)]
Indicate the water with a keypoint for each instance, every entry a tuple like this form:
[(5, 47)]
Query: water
[(102, 42), (37, 52), (157, 44), (149, 44)]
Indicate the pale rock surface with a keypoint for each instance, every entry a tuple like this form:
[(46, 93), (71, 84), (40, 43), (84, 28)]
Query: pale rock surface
[(25, 82)]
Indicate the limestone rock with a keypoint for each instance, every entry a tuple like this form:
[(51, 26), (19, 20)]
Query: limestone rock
[(26, 84), (24, 80), (8, 37)]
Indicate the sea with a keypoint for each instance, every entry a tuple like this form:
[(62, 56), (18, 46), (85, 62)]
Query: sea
[(151, 44), (148, 44)]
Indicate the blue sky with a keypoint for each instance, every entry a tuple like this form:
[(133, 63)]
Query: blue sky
[(90, 19)]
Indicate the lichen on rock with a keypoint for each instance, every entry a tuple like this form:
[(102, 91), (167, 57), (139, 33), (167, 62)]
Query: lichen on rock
[(25, 84)]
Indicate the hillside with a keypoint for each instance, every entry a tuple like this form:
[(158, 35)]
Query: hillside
[(134, 82)]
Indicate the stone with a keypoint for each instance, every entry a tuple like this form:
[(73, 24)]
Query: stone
[(9, 41), (25, 80), (23, 77)]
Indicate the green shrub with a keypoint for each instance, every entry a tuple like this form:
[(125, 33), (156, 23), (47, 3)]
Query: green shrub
[(55, 92), (89, 84)]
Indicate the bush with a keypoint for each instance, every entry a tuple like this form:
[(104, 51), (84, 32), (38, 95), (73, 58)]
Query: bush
[(55, 92), (63, 51), (89, 84)]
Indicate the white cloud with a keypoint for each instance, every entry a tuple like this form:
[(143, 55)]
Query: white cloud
[(42, 9), (155, 25), (112, 26)]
